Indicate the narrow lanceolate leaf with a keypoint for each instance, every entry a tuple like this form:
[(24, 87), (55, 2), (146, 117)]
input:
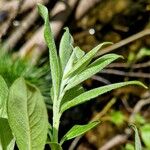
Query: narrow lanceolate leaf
[(27, 116), (3, 98), (72, 93), (78, 52), (96, 92), (84, 61), (75, 56), (138, 145), (65, 48), (78, 130), (54, 61), (92, 69), (55, 146), (7, 141)]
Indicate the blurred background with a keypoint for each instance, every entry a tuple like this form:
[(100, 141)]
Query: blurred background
[(126, 23)]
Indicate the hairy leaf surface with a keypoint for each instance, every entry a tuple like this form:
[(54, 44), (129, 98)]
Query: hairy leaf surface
[(92, 69), (54, 61), (65, 48), (3, 97), (96, 92), (84, 61), (27, 116), (78, 130)]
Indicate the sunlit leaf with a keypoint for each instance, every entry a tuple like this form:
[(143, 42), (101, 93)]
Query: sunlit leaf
[(7, 141), (3, 98), (54, 62), (65, 48), (78, 130), (96, 92), (92, 69), (145, 134), (138, 145), (75, 56), (27, 116), (84, 61)]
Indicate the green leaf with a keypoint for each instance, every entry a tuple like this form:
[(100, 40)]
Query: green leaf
[(27, 116), (3, 98), (55, 146), (72, 93), (7, 142), (75, 56), (78, 130), (92, 69), (65, 48), (54, 61), (96, 92), (145, 134), (84, 61), (117, 117), (78, 52), (138, 145), (129, 147)]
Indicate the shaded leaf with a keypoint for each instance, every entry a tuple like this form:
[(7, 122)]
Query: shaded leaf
[(84, 61), (78, 130), (96, 92), (54, 62), (7, 142), (65, 48), (138, 145), (72, 93), (55, 146), (27, 116), (3, 98), (92, 69)]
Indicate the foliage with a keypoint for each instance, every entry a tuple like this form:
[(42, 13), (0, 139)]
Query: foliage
[(12, 68), (22, 106), (75, 67)]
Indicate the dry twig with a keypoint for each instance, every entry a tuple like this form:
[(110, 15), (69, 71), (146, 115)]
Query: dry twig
[(128, 74), (124, 42)]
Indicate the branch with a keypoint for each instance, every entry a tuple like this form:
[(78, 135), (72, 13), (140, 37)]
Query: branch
[(128, 74), (124, 42)]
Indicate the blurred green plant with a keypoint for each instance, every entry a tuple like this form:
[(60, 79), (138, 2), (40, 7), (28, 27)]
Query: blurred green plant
[(13, 68)]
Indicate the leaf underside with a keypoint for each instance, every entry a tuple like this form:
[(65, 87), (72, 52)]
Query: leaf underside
[(27, 116)]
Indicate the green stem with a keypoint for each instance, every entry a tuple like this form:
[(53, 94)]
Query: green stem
[(56, 113), (56, 120)]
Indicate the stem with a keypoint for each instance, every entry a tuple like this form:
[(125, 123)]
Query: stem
[(56, 113), (56, 120)]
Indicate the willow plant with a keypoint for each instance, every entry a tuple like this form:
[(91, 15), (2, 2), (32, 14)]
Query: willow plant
[(23, 115), (69, 69)]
